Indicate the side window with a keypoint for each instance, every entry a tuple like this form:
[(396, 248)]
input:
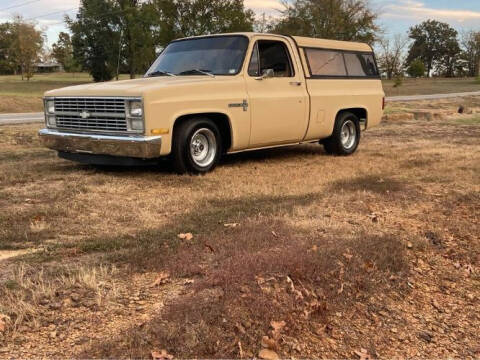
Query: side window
[(270, 55), (359, 64), (325, 62), (254, 66)]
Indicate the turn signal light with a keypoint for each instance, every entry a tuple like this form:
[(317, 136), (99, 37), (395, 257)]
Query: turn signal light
[(161, 131)]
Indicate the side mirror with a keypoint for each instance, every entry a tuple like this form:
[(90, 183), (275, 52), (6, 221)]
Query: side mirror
[(266, 73)]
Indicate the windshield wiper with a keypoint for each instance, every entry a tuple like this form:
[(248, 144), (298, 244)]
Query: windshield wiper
[(197, 71), (160, 73)]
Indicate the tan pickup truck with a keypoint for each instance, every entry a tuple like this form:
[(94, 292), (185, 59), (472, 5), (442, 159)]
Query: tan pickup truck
[(210, 95)]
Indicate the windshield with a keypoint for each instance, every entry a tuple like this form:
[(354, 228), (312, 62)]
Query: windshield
[(221, 55)]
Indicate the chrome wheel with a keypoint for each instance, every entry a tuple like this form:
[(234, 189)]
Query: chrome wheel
[(348, 134), (203, 147)]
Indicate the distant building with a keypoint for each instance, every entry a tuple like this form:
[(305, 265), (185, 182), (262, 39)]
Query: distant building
[(48, 67)]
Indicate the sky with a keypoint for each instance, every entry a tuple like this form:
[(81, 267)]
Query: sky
[(396, 16)]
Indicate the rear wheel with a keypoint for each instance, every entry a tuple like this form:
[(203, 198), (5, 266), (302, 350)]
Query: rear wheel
[(345, 137), (196, 146)]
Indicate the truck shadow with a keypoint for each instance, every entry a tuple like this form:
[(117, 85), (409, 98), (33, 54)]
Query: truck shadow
[(273, 154), (250, 157)]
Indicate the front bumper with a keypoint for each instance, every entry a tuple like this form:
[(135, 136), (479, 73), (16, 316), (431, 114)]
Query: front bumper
[(144, 147)]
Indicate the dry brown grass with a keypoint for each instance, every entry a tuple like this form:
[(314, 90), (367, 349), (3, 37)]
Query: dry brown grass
[(28, 290), (248, 277), (405, 207), (16, 104)]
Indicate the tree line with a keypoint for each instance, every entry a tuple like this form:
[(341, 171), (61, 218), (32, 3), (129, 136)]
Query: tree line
[(108, 37), (431, 48)]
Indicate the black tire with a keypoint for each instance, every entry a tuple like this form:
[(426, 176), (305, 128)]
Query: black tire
[(334, 144), (183, 159)]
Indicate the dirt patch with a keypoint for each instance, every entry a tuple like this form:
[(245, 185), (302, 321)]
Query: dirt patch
[(7, 254)]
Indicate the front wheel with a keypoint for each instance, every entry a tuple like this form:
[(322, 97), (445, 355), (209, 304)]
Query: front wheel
[(345, 137), (196, 146)]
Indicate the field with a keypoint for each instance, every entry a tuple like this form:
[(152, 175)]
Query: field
[(286, 250), (431, 86), (26, 96), (22, 96)]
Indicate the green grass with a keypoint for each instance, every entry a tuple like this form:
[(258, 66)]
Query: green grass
[(19, 95), (469, 121), (14, 85), (431, 86)]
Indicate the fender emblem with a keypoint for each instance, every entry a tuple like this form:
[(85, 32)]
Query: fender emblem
[(84, 114), (243, 105)]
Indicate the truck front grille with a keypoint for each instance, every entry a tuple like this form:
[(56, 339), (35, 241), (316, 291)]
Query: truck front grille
[(96, 123), (94, 114)]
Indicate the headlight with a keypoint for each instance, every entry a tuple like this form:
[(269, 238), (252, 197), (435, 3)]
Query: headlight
[(50, 105), (136, 109)]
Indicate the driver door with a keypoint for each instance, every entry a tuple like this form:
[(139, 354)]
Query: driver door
[(278, 99)]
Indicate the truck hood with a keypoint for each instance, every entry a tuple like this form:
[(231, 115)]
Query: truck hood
[(135, 87)]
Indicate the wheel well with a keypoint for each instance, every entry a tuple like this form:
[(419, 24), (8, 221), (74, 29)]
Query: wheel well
[(220, 119), (358, 112)]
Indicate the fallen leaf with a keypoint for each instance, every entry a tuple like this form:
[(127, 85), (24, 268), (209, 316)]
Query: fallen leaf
[(231, 225), (409, 245), (373, 217), (347, 256), (268, 354), (187, 236), (362, 354), (210, 248), (161, 279), (240, 328), (162, 355), (469, 270), (268, 343), (277, 327), (339, 291), (240, 350), (369, 266), (290, 283)]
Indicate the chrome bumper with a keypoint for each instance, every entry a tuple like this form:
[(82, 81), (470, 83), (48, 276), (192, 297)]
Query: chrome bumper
[(145, 147)]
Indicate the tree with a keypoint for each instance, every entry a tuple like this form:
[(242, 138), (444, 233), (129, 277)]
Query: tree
[(351, 20), (470, 42), (27, 43), (182, 18), (138, 48), (7, 64), (392, 54), (436, 44), (62, 51), (416, 69), (96, 38)]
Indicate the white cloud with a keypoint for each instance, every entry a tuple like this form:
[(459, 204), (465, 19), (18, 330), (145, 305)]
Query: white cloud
[(413, 9)]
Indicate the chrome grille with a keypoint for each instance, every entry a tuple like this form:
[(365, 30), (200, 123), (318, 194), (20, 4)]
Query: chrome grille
[(96, 105), (97, 123), (95, 114)]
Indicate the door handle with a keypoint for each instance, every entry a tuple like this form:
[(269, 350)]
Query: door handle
[(295, 83)]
